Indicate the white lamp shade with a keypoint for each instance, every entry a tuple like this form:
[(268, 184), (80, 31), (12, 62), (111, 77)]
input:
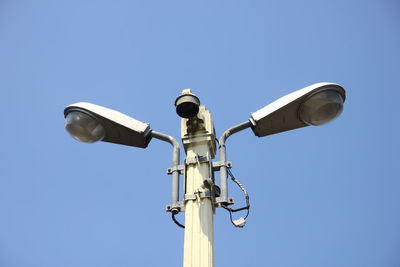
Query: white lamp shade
[(89, 123), (83, 127), (321, 108), (316, 104)]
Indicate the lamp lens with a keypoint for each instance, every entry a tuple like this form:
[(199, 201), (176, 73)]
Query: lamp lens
[(321, 108), (83, 127)]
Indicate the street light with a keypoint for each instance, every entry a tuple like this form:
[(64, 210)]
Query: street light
[(89, 123), (316, 105)]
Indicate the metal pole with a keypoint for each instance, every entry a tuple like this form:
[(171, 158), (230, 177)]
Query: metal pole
[(199, 221), (199, 141), (175, 164), (222, 158)]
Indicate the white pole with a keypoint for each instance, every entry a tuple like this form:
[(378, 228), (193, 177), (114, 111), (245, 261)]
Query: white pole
[(199, 220), (198, 138)]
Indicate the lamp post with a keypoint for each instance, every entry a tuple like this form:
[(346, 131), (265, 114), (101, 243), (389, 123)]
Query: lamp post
[(313, 105)]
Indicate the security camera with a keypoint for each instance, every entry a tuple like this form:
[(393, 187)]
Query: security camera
[(187, 104)]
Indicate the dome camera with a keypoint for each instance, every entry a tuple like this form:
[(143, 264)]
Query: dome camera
[(187, 104)]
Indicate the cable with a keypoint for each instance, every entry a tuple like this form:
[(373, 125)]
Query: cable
[(237, 223), (175, 220), (240, 222), (230, 214), (216, 139), (247, 207)]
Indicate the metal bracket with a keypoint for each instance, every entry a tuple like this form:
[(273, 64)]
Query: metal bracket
[(197, 160), (219, 201), (198, 195), (179, 168), (179, 206), (216, 166), (212, 193)]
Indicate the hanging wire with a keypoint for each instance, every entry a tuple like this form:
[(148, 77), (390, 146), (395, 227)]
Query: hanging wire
[(247, 207), (175, 220), (216, 139), (230, 210)]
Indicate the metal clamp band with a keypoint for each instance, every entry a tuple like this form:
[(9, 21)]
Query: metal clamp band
[(197, 159), (197, 195)]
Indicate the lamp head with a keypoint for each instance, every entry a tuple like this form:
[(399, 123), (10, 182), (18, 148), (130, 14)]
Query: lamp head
[(316, 105), (89, 123)]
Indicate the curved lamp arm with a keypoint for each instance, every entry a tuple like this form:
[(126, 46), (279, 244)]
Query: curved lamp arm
[(222, 157), (175, 164)]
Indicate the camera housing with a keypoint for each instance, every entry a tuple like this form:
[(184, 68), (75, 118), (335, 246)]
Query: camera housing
[(187, 104)]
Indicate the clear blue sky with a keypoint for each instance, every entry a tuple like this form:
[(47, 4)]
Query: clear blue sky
[(321, 196)]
